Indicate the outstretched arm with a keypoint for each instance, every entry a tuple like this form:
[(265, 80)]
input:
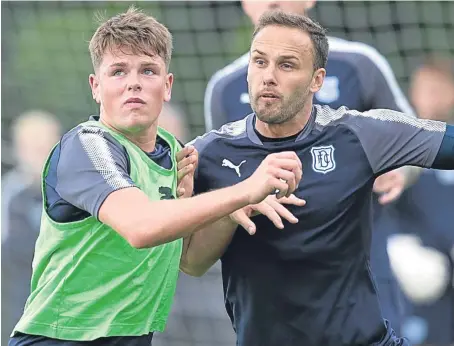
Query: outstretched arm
[(145, 223), (202, 249)]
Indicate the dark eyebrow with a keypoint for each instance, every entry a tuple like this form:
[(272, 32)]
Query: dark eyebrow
[(259, 52), (288, 57)]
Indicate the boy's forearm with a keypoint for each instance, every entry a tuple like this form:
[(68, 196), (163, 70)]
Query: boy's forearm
[(175, 219)]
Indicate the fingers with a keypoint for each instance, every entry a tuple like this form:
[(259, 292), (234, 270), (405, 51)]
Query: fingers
[(188, 163), (241, 218), (281, 211), (185, 171), (390, 196), (390, 186), (281, 188), (180, 192), (287, 162), (270, 212), (289, 165), (387, 181), (278, 174), (292, 199), (185, 152), (188, 160), (288, 178), (288, 155)]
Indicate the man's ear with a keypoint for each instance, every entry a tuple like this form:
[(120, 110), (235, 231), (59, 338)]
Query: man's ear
[(317, 80), (94, 85), (168, 91)]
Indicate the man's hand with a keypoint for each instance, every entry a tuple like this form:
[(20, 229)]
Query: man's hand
[(187, 159), (272, 208), (278, 174), (390, 186)]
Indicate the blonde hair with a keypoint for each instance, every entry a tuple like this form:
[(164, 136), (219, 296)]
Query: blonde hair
[(133, 32)]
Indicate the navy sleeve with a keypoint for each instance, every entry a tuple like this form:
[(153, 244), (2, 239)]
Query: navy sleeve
[(445, 156), (379, 85), (392, 139), (92, 165)]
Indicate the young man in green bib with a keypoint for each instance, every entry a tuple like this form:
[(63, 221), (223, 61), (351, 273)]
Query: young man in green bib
[(108, 254)]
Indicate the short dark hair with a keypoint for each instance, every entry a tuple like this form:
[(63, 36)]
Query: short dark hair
[(291, 20)]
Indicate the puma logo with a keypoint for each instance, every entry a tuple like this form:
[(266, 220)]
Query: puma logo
[(227, 163)]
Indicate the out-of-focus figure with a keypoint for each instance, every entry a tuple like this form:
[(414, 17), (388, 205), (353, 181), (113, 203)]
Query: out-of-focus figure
[(421, 255), (174, 120), (34, 134)]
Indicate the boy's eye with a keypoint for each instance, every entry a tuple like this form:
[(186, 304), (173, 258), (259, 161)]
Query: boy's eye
[(148, 72), (118, 73)]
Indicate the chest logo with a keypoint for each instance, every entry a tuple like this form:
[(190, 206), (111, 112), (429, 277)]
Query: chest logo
[(323, 159), (229, 164)]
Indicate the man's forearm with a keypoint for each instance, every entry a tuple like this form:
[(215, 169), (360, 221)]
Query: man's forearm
[(203, 248)]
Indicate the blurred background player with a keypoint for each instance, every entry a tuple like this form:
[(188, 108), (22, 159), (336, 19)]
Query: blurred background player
[(34, 134), (421, 254), (173, 119), (359, 78)]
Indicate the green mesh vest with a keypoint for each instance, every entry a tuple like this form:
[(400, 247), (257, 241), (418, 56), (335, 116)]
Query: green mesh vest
[(88, 282)]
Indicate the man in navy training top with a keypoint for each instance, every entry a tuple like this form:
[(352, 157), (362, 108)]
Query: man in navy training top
[(310, 284), (359, 78)]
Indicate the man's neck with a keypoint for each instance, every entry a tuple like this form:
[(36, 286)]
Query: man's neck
[(288, 128), (145, 139)]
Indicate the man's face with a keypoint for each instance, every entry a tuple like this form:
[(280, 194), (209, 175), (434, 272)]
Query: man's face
[(432, 94), (131, 89), (254, 9), (281, 77), (33, 143)]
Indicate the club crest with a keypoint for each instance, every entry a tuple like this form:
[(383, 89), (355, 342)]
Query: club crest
[(323, 159)]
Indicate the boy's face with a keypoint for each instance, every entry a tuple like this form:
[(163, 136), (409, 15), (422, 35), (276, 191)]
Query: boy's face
[(131, 89)]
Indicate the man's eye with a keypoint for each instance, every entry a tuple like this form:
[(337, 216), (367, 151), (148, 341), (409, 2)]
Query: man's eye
[(148, 72), (118, 73)]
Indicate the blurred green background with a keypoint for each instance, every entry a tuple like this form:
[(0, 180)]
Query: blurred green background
[(45, 59)]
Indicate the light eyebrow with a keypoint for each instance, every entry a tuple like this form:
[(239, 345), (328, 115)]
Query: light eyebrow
[(118, 64)]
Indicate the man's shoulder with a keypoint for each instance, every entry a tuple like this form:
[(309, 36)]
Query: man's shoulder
[(340, 47), (359, 54), (230, 131), (227, 75), (367, 123), (236, 67)]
